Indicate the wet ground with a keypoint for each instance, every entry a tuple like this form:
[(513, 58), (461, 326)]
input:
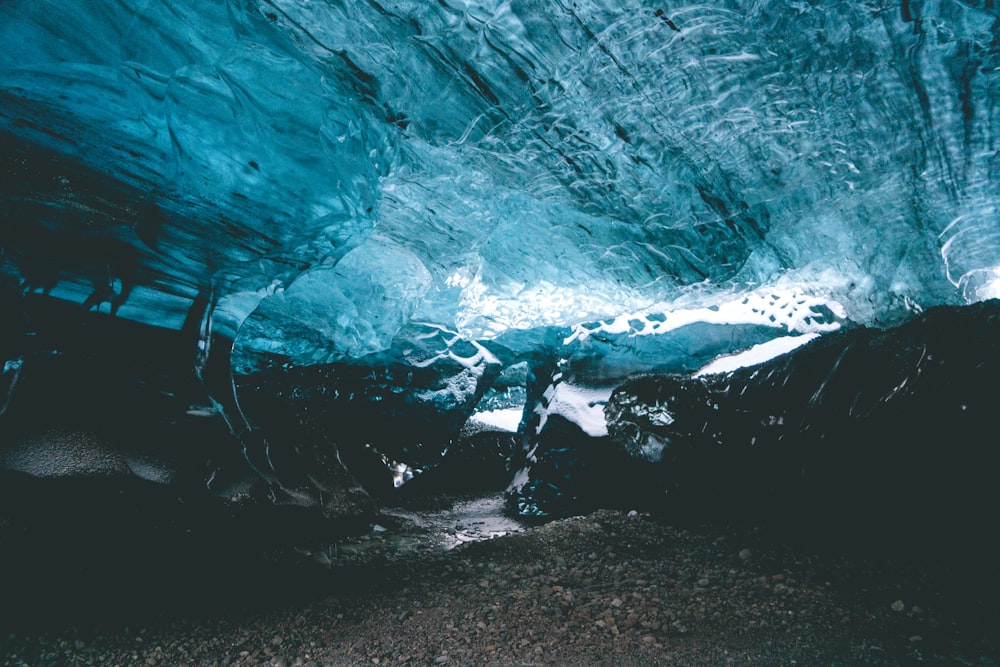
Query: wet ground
[(463, 584)]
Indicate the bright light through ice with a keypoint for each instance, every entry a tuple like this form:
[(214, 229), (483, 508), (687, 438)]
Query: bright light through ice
[(789, 310), (757, 354), (991, 287), (486, 312)]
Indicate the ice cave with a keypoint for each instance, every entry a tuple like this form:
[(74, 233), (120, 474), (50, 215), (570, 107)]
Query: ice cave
[(725, 258)]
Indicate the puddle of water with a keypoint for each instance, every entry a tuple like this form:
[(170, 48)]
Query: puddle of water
[(466, 521)]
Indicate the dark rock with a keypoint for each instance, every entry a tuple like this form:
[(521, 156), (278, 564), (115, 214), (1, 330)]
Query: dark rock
[(887, 432)]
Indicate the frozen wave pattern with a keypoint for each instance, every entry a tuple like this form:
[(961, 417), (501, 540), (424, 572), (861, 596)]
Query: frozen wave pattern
[(603, 153)]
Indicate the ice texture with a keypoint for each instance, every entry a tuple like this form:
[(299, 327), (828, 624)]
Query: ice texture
[(479, 216), (540, 164)]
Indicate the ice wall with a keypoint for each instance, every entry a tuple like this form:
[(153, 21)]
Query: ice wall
[(606, 188)]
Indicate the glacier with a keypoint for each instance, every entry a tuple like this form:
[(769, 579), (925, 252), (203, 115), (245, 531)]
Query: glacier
[(318, 251)]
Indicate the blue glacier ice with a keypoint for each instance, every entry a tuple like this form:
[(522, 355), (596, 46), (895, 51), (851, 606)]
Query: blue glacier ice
[(382, 229)]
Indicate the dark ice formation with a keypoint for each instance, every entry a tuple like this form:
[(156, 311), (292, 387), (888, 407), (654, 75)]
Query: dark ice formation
[(313, 252)]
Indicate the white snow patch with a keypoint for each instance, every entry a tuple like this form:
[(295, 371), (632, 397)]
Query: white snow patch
[(756, 355), (502, 420), (584, 406), (522, 477)]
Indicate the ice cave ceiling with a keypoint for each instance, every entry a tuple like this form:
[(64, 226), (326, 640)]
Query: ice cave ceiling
[(448, 189)]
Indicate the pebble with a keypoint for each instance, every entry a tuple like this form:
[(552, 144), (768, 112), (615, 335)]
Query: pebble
[(625, 605)]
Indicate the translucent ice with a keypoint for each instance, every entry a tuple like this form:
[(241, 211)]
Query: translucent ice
[(433, 194)]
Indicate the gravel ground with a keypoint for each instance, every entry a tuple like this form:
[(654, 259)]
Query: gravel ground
[(609, 588)]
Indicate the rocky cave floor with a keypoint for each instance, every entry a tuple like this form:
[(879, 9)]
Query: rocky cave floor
[(609, 588)]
